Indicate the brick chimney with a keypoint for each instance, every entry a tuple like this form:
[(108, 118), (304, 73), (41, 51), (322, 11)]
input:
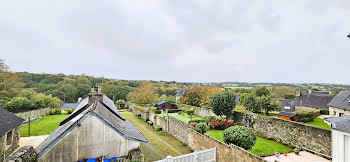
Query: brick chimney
[(96, 95)]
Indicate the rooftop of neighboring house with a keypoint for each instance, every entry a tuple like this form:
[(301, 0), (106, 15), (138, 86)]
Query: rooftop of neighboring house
[(8, 121), (104, 109), (159, 103), (180, 92), (65, 105), (340, 123), (313, 99), (341, 100)]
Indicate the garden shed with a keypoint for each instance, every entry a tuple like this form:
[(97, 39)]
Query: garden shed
[(287, 111), (9, 133), (95, 129), (163, 105)]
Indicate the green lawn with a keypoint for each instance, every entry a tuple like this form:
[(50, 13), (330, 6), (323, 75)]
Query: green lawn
[(318, 122), (43, 126), (263, 146), (185, 117)]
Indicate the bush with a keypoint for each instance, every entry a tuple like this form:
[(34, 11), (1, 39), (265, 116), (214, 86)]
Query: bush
[(219, 124), (55, 111), (19, 104), (201, 128), (223, 103), (289, 96), (240, 136), (190, 111), (209, 119), (197, 120), (306, 116), (324, 112), (153, 109), (69, 111)]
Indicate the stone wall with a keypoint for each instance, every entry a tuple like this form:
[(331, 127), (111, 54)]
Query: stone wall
[(204, 111), (288, 132), (178, 129), (26, 153), (6, 150), (224, 152), (33, 114), (336, 111)]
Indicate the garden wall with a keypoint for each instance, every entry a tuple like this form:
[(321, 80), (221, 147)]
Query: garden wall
[(199, 111), (288, 132), (178, 129), (26, 153), (224, 152), (33, 114)]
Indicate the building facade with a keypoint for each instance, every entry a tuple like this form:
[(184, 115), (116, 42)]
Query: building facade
[(340, 138), (340, 105)]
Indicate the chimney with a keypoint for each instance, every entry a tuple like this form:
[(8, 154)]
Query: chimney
[(298, 93), (310, 91), (96, 95)]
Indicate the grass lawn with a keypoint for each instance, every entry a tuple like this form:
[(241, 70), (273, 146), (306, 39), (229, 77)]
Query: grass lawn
[(43, 126), (185, 117), (263, 146), (318, 122), (159, 145)]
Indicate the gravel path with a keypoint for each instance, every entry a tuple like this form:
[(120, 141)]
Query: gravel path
[(32, 141)]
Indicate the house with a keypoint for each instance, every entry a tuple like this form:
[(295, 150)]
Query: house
[(163, 105), (288, 111), (10, 126), (340, 105), (95, 129), (179, 94), (340, 138), (313, 100)]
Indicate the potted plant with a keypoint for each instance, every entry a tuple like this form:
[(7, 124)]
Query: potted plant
[(277, 154), (285, 154), (296, 151)]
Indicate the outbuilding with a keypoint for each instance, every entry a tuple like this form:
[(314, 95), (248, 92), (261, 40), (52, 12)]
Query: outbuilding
[(95, 129), (10, 126), (163, 105)]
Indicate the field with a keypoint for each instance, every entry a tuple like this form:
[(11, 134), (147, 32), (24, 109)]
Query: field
[(318, 122), (183, 117), (262, 146), (43, 126)]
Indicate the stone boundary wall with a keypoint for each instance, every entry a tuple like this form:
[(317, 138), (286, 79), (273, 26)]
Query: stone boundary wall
[(33, 114), (26, 153), (178, 129), (288, 132), (199, 111), (224, 152)]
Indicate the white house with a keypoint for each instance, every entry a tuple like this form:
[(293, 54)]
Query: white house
[(340, 104), (340, 138)]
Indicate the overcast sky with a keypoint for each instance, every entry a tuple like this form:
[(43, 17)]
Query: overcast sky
[(202, 41)]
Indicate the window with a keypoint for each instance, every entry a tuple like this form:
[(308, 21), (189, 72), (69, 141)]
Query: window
[(334, 113), (9, 138), (341, 114)]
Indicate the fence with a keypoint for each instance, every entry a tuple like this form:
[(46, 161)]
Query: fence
[(208, 155), (33, 114)]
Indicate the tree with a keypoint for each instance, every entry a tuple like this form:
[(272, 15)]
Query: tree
[(199, 95), (145, 93), (262, 91), (223, 103), (83, 90), (264, 102), (9, 85), (3, 66), (249, 100), (240, 136)]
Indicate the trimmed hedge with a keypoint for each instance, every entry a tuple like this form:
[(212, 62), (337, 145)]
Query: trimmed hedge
[(240, 136), (324, 111), (306, 116)]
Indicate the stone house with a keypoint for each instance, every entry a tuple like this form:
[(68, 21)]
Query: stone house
[(95, 129), (179, 94), (10, 126), (340, 138), (340, 105)]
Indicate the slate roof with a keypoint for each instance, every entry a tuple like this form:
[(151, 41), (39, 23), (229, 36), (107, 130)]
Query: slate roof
[(287, 114), (315, 99), (287, 103), (340, 123), (180, 92), (341, 100), (8, 121), (64, 105), (105, 111)]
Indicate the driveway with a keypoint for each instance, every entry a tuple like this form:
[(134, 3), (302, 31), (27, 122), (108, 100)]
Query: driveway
[(31, 141)]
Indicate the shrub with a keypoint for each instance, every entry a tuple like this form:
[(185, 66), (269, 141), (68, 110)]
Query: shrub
[(223, 103), (69, 111), (324, 112), (153, 109), (55, 111), (306, 116), (190, 111), (240, 136), (197, 120), (289, 96), (221, 124), (209, 119), (201, 128)]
